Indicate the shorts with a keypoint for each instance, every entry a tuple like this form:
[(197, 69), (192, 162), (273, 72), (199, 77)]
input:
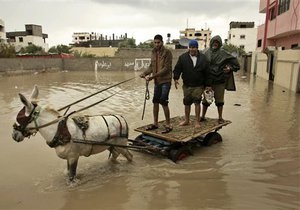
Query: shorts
[(192, 95), (219, 91), (161, 93)]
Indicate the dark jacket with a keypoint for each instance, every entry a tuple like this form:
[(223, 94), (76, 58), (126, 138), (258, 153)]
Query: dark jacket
[(217, 59), (192, 76), (161, 66)]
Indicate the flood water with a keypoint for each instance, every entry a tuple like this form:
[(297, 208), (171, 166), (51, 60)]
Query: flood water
[(257, 166)]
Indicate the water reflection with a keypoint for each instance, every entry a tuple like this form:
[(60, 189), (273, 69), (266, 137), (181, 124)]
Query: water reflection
[(256, 166)]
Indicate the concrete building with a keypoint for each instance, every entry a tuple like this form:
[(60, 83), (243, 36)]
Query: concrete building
[(32, 35), (79, 37), (2, 32), (86, 39), (282, 24), (277, 57), (203, 36), (243, 35)]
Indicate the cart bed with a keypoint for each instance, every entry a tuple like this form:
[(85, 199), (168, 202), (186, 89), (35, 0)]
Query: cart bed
[(183, 133)]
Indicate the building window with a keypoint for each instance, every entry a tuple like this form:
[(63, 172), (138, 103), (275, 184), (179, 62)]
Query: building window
[(272, 13), (242, 36), (294, 46), (242, 47), (259, 43), (20, 39), (284, 5), (233, 36)]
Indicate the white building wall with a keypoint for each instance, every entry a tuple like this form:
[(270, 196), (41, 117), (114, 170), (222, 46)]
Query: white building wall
[(2, 31), (36, 40), (249, 42), (78, 37)]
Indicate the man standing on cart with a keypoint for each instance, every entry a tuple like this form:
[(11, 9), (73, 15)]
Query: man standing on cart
[(222, 65), (160, 70), (193, 67)]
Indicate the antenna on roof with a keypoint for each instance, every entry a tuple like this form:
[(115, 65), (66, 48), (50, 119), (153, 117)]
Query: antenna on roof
[(187, 23)]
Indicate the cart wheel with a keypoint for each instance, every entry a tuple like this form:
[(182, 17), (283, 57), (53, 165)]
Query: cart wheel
[(179, 154), (139, 137), (211, 138), (138, 140)]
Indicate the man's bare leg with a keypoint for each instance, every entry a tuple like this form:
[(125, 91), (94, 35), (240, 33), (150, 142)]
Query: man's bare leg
[(187, 111), (197, 113), (167, 115), (155, 113)]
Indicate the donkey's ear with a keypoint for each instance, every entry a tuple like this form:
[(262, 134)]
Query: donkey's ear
[(28, 105), (34, 93)]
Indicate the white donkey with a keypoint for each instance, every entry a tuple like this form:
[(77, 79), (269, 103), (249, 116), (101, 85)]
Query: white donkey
[(62, 132)]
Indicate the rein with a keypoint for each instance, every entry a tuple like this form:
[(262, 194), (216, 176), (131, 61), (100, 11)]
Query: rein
[(69, 105), (147, 97), (65, 117)]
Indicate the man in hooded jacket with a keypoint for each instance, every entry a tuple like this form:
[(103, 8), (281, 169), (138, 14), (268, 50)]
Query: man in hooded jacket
[(221, 67)]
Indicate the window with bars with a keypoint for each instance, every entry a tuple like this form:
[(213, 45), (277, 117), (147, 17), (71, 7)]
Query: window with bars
[(284, 5)]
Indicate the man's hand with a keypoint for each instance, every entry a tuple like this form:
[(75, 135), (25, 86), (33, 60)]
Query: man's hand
[(149, 78), (176, 83), (227, 68)]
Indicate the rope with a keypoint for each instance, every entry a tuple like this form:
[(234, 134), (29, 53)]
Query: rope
[(69, 105), (89, 106), (65, 117), (147, 97)]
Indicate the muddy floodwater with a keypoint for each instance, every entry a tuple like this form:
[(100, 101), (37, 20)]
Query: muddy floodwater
[(257, 166)]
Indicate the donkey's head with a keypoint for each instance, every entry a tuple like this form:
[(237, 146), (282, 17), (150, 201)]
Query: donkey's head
[(25, 121)]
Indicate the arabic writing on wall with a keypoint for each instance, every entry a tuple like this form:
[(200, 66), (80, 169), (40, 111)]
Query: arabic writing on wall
[(102, 65), (137, 64)]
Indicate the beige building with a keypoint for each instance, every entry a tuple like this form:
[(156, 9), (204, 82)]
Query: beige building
[(286, 68), (203, 36)]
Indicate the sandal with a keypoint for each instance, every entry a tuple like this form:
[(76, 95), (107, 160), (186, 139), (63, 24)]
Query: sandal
[(203, 119), (167, 130), (151, 127)]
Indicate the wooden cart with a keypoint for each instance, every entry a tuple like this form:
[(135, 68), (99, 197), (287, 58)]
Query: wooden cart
[(178, 143)]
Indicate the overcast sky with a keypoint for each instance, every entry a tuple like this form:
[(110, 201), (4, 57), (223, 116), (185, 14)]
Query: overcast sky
[(140, 19)]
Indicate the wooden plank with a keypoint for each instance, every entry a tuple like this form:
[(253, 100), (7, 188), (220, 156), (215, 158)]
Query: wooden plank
[(183, 133)]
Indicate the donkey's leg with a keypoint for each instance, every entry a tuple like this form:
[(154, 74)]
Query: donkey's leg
[(72, 166), (126, 154), (124, 151), (114, 152)]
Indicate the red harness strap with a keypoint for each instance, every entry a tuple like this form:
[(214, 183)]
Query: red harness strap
[(62, 135)]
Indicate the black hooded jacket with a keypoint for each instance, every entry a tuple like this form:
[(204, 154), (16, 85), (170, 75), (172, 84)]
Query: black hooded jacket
[(218, 58)]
